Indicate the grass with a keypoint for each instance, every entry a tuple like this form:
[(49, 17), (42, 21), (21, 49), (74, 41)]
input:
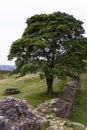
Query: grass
[(79, 111), (4, 74), (76, 127), (45, 126), (31, 87)]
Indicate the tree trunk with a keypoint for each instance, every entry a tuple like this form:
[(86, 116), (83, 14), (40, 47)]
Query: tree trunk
[(49, 85)]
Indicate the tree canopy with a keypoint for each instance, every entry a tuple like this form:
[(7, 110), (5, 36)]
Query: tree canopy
[(53, 44)]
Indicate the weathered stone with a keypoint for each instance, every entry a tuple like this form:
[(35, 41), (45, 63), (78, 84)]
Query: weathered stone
[(4, 123), (16, 115), (9, 91), (61, 106)]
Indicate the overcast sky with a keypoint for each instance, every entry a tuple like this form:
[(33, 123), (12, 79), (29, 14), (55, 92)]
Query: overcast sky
[(13, 15)]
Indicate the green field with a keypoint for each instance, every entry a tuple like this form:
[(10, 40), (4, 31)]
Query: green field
[(33, 89)]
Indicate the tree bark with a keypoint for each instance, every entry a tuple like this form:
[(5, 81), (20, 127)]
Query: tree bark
[(49, 85)]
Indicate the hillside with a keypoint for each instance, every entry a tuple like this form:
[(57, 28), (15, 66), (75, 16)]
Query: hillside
[(7, 67), (4, 74), (33, 89)]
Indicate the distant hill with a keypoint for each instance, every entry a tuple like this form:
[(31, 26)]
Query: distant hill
[(7, 67)]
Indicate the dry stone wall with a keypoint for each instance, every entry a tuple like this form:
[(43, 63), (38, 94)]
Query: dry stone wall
[(16, 115), (61, 106)]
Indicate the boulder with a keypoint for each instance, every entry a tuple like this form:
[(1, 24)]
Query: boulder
[(9, 91)]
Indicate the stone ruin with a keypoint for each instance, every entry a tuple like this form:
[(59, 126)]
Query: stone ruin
[(61, 105), (9, 91), (15, 114)]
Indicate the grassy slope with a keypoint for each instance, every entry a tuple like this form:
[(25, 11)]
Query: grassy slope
[(4, 74), (31, 87)]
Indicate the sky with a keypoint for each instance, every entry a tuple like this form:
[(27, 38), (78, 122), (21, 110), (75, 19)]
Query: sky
[(13, 15)]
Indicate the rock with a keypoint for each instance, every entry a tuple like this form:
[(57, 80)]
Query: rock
[(4, 123), (9, 91), (61, 106), (16, 115)]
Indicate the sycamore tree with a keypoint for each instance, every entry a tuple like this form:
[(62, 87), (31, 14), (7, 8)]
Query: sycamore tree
[(52, 44)]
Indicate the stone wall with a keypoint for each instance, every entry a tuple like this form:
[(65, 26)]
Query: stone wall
[(61, 106), (16, 115)]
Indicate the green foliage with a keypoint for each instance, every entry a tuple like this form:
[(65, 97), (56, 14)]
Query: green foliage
[(45, 126), (51, 43)]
